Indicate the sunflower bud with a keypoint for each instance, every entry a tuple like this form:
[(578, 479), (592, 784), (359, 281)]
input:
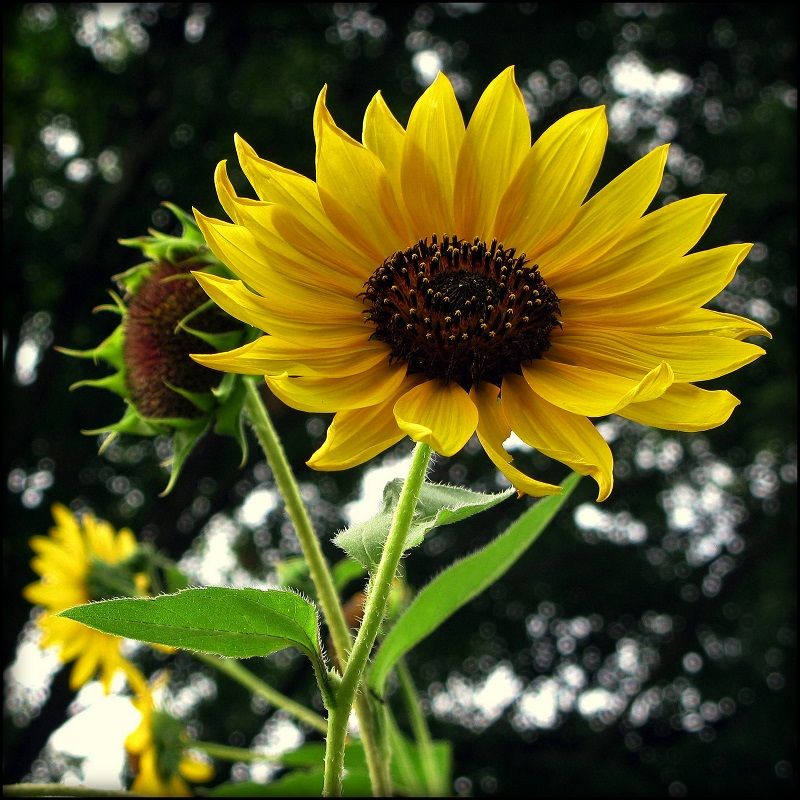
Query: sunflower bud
[(165, 316)]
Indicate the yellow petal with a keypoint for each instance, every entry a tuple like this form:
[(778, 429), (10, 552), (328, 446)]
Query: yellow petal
[(58, 556), (684, 407), (139, 740), (648, 247), (125, 545), (311, 238), (100, 538), (713, 323), (356, 436), (84, 668), (236, 247), (430, 156), (195, 770), (590, 392), (493, 430), (558, 434), (384, 136), (55, 597), (439, 414), (551, 183), (67, 530), (601, 221), (270, 355), (497, 138), (147, 780), (338, 394), (628, 353), (239, 302), (299, 195), (355, 190), (687, 283)]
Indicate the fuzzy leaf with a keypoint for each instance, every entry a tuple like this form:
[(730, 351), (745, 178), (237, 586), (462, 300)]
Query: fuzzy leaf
[(235, 623), (438, 504), (462, 581)]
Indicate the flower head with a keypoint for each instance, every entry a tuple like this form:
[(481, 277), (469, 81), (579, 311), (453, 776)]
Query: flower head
[(83, 560), (165, 317), (157, 750), (440, 280)]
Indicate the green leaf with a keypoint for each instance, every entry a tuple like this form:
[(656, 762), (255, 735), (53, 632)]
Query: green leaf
[(438, 504), (462, 581), (235, 623)]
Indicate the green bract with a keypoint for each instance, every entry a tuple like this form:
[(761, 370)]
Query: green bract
[(165, 316)]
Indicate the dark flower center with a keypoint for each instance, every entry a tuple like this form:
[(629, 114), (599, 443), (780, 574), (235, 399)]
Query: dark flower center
[(461, 311), (156, 351)]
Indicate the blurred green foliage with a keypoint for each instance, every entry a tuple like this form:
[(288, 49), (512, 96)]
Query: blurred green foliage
[(645, 647)]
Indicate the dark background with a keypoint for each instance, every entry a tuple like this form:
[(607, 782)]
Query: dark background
[(675, 597)]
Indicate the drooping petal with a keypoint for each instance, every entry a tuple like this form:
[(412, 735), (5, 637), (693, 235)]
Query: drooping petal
[(628, 353), (338, 394), (684, 407), (556, 433), (497, 138), (355, 190), (493, 430), (430, 157), (552, 182), (439, 414), (687, 283), (591, 392), (648, 247), (356, 436), (270, 355), (602, 220)]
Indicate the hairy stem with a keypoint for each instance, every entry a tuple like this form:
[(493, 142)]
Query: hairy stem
[(374, 610), (320, 573), (290, 491)]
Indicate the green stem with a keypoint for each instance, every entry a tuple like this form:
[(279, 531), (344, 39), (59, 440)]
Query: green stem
[(233, 669), (421, 731), (227, 753), (290, 491), (374, 610), (320, 573)]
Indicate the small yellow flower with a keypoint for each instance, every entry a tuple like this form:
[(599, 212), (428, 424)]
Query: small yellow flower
[(156, 750), (440, 280), (81, 560)]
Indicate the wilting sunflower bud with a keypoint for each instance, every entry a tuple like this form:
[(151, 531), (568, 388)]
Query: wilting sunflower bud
[(165, 317)]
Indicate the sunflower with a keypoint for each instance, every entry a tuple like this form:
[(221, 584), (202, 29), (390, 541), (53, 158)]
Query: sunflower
[(441, 280), (83, 560), (165, 315), (156, 750)]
